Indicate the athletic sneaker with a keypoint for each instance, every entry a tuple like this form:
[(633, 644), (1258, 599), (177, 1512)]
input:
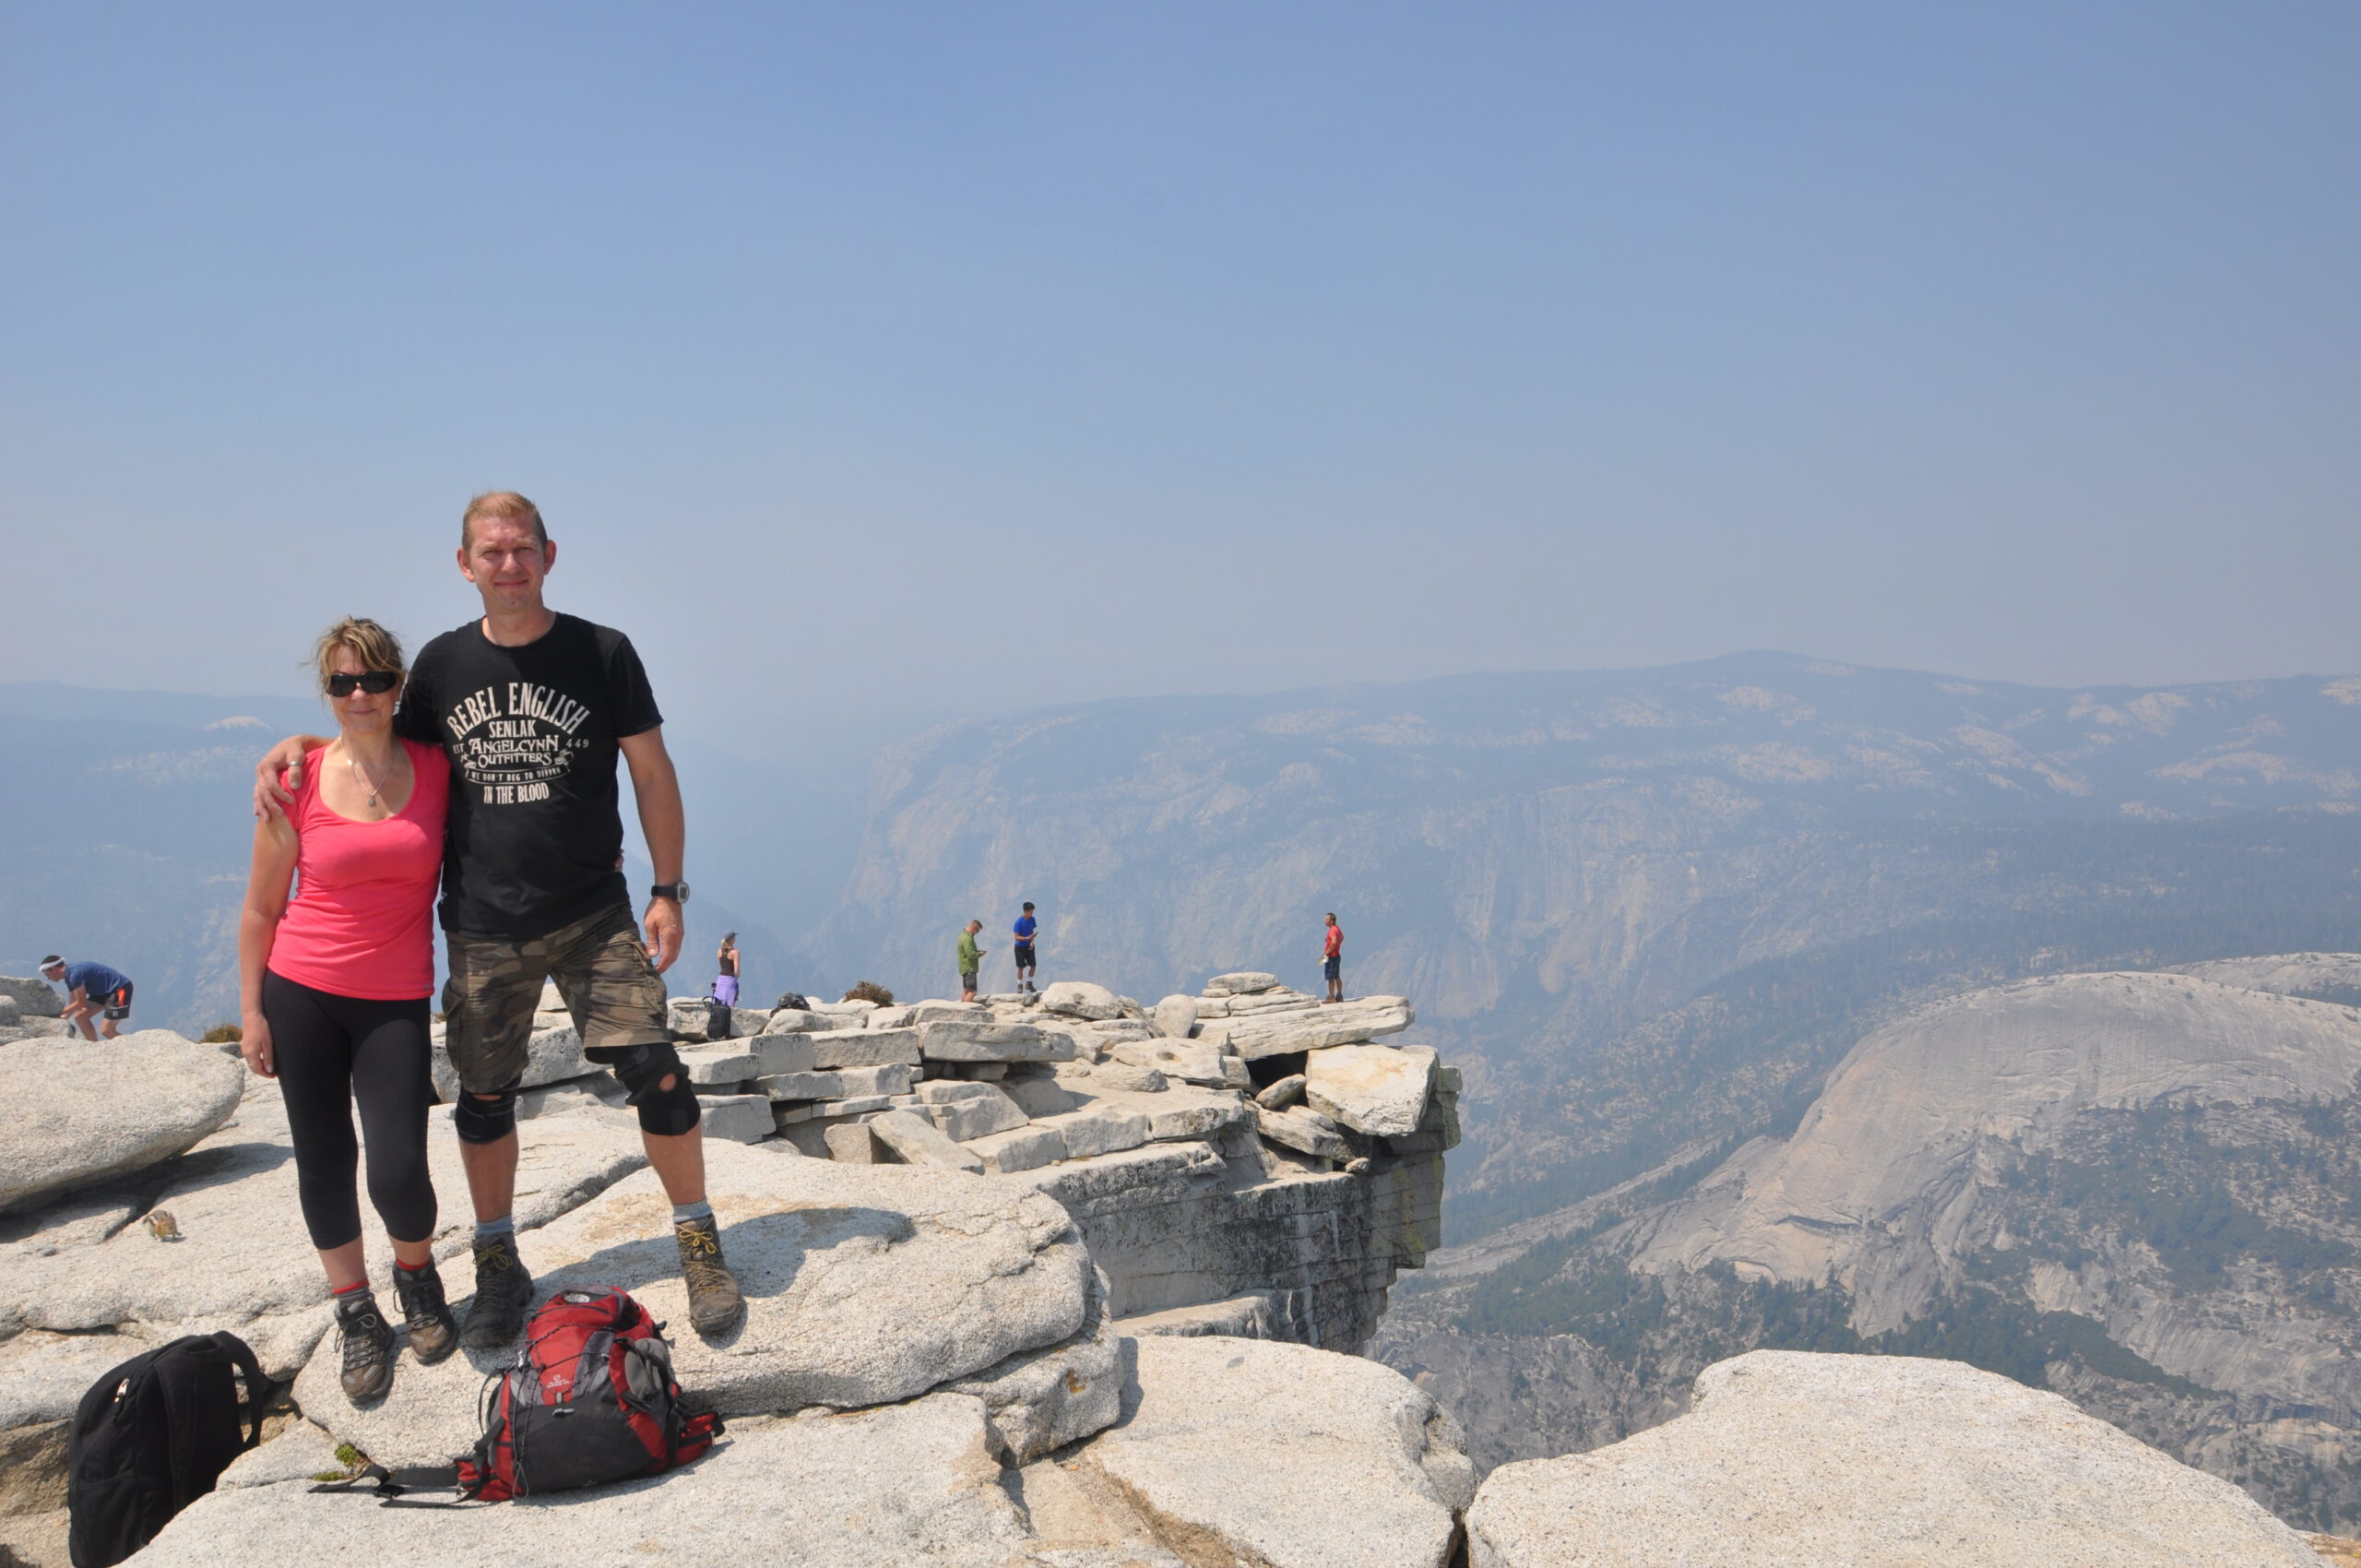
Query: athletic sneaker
[(432, 1332), (503, 1296), (368, 1347), (715, 1301)]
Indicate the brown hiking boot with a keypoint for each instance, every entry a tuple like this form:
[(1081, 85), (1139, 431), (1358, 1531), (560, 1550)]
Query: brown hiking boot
[(715, 1301), (433, 1333), (503, 1296), (368, 1347)]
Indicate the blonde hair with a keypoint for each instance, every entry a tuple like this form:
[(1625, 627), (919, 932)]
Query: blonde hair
[(502, 504), (376, 648)]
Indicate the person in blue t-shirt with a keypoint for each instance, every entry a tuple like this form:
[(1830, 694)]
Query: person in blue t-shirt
[(1025, 967), (89, 987)]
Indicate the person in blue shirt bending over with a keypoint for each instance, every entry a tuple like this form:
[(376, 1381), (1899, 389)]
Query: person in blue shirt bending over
[(89, 987), (1025, 967)]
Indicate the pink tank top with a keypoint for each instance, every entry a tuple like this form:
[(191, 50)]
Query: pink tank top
[(361, 922)]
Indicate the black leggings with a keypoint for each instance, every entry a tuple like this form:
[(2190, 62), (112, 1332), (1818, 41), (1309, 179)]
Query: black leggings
[(333, 1050)]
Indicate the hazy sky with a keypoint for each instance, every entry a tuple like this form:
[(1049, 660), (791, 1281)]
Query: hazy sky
[(878, 361)]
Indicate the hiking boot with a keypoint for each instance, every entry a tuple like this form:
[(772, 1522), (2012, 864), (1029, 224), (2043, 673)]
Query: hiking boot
[(433, 1333), (503, 1296), (368, 1347), (715, 1301)]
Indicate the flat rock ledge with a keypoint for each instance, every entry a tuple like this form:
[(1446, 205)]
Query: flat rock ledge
[(865, 1285), (106, 1107), (1792, 1460), (1227, 1451)]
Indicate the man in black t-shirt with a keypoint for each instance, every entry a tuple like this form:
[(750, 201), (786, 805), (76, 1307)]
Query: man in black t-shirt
[(534, 710)]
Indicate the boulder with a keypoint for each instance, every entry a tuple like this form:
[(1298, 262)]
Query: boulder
[(1196, 1061), (1194, 1114), (1347, 1022), (803, 1086), (739, 1118), (865, 1284), (1039, 1400), (981, 1111), (918, 1141), (1120, 1076), (89, 1111), (865, 1047), (1377, 1089), (34, 997), (10, 1012), (852, 1008), (1101, 1129), (1285, 1456), (552, 1055), (938, 1012), (1306, 1131), (992, 1042), (1174, 1017), (1282, 1093), (1243, 982), (910, 1486), (1886, 1460), (1283, 1000), (718, 1064), (1080, 999), (890, 1080), (853, 1142), (1020, 1148), (795, 1021)]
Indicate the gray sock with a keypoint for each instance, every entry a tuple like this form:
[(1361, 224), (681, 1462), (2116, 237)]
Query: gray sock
[(683, 1213), (493, 1229)]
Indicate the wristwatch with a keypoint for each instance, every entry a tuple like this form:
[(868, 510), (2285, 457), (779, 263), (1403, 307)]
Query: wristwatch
[(676, 891)]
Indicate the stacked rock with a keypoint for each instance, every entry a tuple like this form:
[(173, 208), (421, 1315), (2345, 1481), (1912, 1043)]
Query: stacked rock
[(30, 1008)]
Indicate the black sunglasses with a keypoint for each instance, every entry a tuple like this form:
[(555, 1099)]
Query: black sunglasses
[(375, 681)]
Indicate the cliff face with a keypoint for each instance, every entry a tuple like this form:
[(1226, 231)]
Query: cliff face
[(2139, 1190)]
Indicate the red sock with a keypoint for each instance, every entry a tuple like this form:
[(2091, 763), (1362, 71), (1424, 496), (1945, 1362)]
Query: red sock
[(349, 1289), (414, 1268)]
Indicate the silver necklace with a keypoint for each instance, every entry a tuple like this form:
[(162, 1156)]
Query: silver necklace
[(362, 777)]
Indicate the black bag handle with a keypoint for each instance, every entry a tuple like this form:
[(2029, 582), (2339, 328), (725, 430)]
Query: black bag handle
[(260, 1390)]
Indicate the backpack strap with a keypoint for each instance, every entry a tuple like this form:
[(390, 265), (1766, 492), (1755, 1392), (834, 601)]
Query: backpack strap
[(174, 1376), (260, 1390), (392, 1488)]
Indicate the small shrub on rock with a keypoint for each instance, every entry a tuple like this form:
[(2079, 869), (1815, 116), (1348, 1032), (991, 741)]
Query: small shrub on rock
[(870, 991), (222, 1034)]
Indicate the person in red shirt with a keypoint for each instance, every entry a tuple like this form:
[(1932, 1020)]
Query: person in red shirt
[(1332, 959), (335, 981)]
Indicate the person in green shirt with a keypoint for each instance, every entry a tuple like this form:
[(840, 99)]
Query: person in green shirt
[(971, 959)]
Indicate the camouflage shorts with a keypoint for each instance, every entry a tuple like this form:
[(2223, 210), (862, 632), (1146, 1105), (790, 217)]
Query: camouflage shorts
[(602, 970)]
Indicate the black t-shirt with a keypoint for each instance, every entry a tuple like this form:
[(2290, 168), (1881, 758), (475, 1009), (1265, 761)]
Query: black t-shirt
[(536, 839)]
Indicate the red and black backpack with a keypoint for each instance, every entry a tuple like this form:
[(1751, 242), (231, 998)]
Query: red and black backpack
[(589, 1400)]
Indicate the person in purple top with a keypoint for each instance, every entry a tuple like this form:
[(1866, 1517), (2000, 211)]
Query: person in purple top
[(89, 987), (1025, 967)]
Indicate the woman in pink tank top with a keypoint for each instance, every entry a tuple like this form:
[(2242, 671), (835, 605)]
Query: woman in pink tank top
[(335, 981)]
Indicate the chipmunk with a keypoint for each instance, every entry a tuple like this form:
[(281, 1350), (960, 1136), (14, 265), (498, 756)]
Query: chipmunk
[(162, 1226)]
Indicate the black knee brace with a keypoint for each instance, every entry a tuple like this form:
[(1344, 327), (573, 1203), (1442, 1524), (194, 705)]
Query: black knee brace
[(668, 1113), (481, 1120)]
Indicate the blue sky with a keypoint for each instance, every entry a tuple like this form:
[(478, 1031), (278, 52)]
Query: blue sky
[(874, 362)]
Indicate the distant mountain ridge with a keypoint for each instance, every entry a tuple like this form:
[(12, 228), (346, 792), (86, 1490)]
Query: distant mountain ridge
[(1568, 870)]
